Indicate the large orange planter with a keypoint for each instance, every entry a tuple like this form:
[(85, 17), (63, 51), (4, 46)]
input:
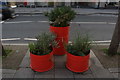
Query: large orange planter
[(77, 63), (41, 63), (62, 37)]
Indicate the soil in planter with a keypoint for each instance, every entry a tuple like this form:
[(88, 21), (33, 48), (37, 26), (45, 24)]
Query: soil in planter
[(106, 61)]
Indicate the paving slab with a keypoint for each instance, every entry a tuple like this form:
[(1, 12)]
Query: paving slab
[(87, 74), (94, 60), (26, 61), (83, 75), (114, 70), (60, 61), (28, 53), (64, 79), (44, 79), (116, 75), (7, 75), (47, 74), (63, 73), (7, 79), (97, 69), (8, 71), (24, 73)]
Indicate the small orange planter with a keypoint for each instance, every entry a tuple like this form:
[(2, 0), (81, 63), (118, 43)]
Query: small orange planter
[(62, 37), (41, 63), (77, 63)]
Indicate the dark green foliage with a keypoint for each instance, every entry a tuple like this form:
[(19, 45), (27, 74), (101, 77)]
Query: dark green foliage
[(61, 16), (105, 50), (80, 46), (6, 52), (43, 45)]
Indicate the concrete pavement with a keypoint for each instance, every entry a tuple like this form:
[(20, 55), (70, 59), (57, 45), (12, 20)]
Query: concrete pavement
[(95, 71), (81, 11)]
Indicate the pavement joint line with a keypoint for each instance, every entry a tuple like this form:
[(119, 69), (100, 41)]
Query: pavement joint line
[(10, 39)]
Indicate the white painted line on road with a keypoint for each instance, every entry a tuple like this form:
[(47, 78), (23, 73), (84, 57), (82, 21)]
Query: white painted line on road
[(93, 42), (107, 41), (15, 44), (17, 15), (19, 22), (2, 22), (27, 44), (10, 39), (112, 23), (31, 15), (101, 44), (31, 39), (44, 21), (70, 22), (90, 22)]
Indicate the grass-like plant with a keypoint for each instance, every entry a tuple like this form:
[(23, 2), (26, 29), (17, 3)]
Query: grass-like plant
[(80, 46), (60, 16), (44, 44), (105, 50)]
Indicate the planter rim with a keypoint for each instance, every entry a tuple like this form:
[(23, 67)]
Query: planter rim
[(42, 55), (78, 56), (59, 27)]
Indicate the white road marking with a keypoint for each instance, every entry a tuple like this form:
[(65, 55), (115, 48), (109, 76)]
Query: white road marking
[(15, 44), (2, 22), (106, 41), (93, 42), (70, 22), (28, 43), (90, 22), (112, 23), (17, 15), (44, 21), (31, 39), (19, 22), (10, 39), (31, 15)]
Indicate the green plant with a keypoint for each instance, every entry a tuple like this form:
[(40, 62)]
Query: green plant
[(80, 47), (60, 16), (105, 50), (6, 50), (43, 45)]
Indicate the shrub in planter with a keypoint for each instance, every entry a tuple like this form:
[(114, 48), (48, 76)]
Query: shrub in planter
[(41, 52), (78, 54), (60, 18)]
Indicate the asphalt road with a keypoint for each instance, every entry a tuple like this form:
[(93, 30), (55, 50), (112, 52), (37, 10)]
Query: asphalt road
[(98, 27)]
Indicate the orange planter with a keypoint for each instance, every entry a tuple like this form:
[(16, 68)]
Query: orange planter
[(62, 37), (41, 63), (77, 63)]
